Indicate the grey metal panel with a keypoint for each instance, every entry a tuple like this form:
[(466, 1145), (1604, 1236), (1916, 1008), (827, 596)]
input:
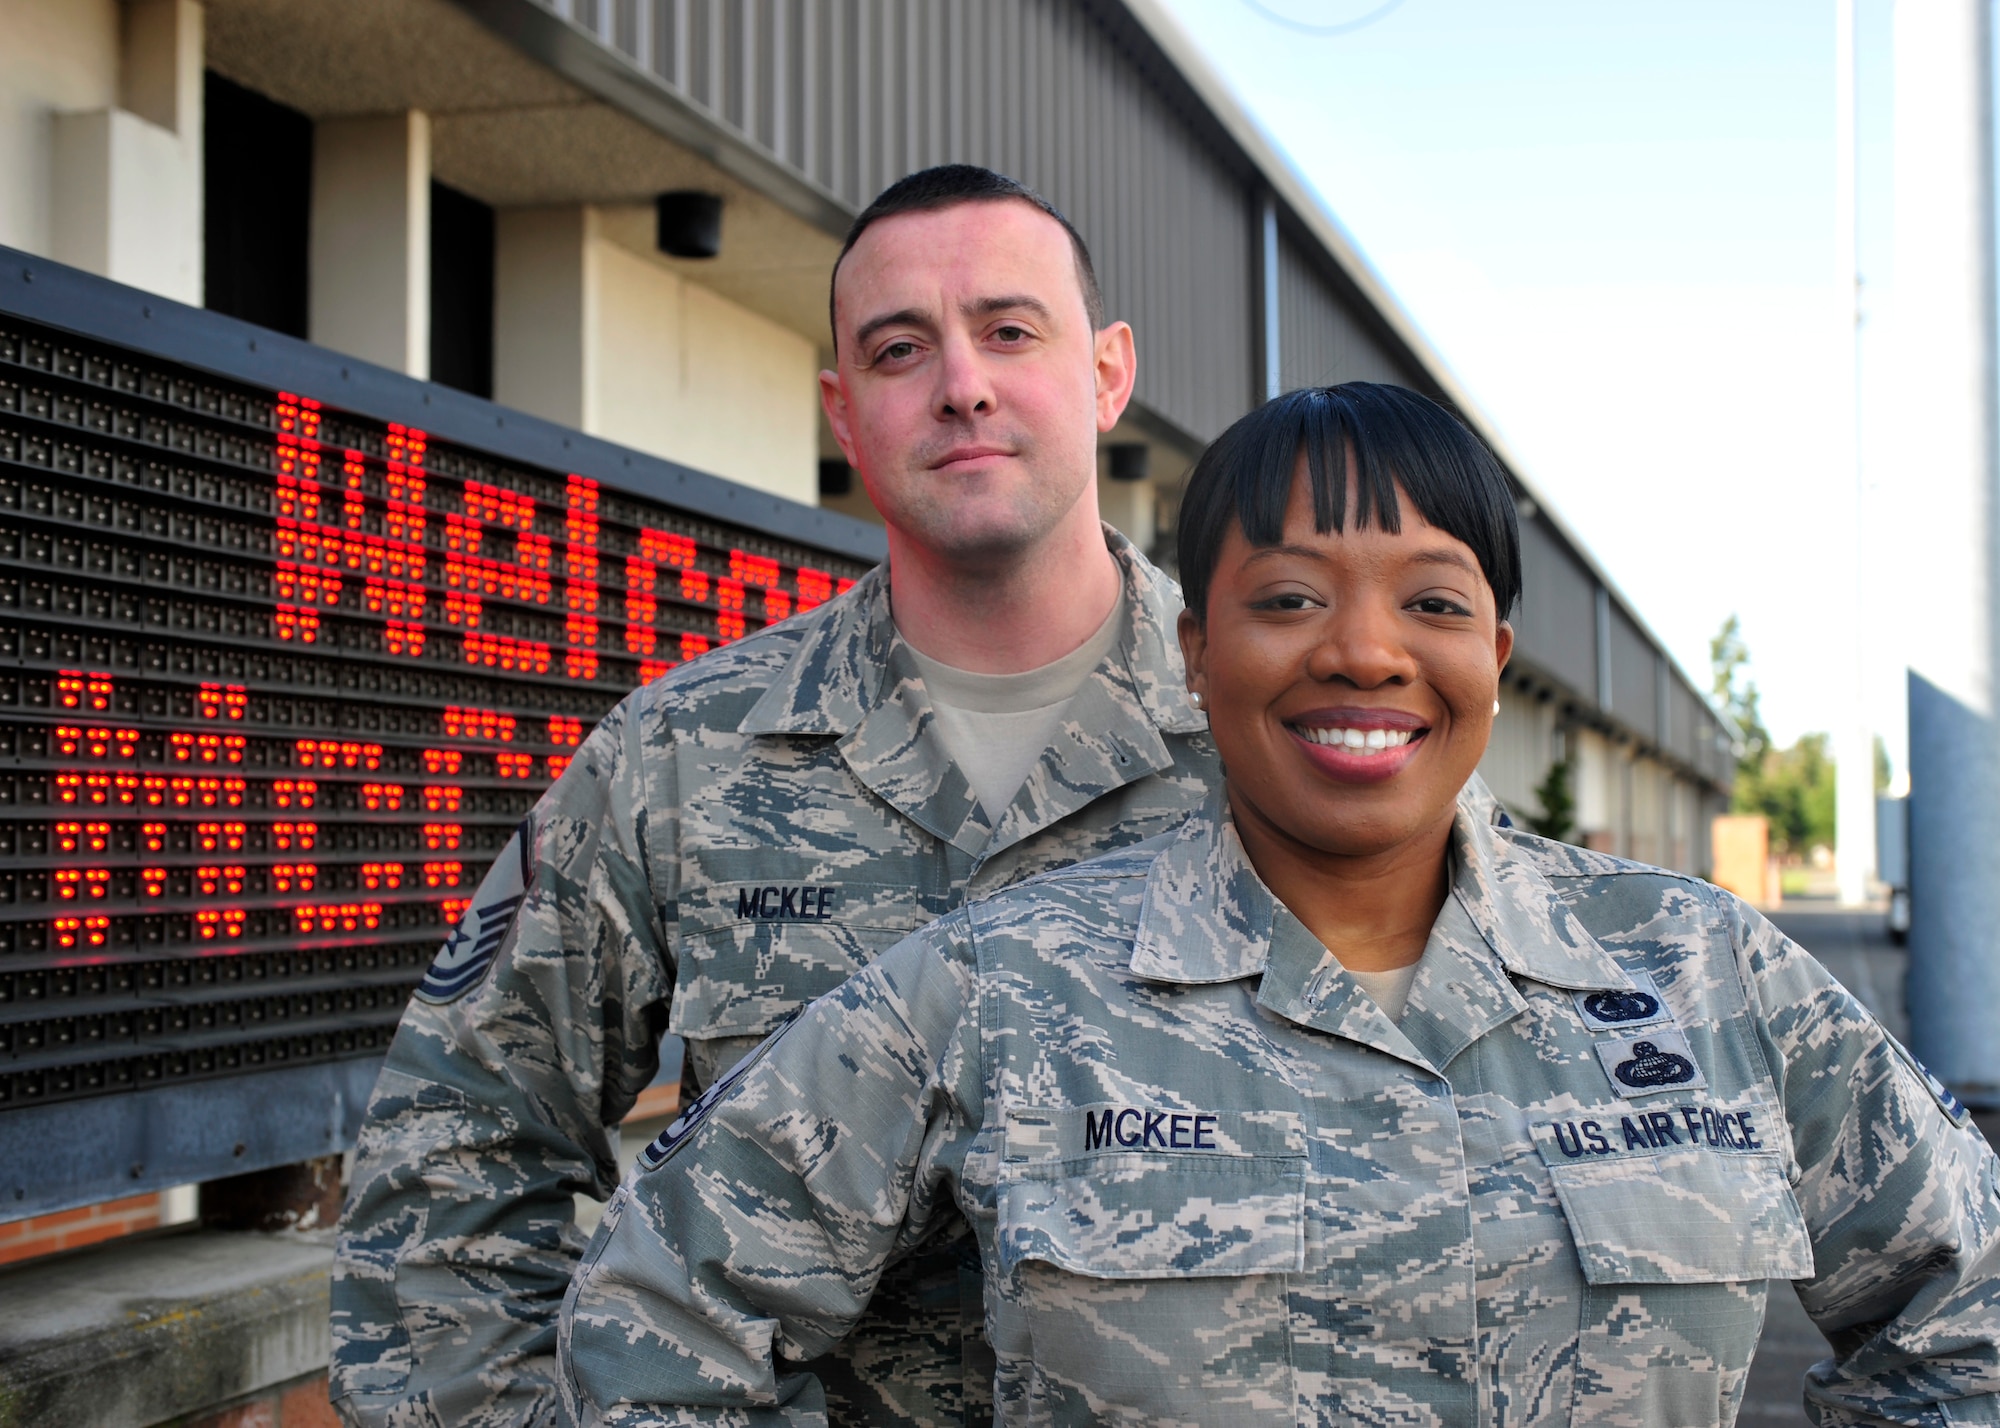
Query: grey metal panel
[(1693, 725), (1555, 625), (1322, 340), (1635, 700), (80, 1152)]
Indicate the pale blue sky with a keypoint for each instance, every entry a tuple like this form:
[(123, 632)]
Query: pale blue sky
[(1616, 224)]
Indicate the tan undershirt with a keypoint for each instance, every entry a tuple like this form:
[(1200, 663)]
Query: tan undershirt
[(1390, 989), (995, 726)]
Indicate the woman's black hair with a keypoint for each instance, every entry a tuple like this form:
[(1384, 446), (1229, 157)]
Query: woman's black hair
[(1396, 437)]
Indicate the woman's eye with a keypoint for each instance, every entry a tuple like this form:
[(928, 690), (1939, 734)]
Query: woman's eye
[(1291, 600), (1437, 605)]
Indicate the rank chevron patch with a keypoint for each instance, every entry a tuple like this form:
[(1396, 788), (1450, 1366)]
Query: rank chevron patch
[(462, 962)]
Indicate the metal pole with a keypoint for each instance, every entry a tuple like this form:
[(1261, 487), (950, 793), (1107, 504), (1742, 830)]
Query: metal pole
[(1274, 352), (1854, 748), (1945, 360)]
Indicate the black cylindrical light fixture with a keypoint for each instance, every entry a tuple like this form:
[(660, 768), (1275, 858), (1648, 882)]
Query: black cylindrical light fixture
[(836, 477), (690, 224), (1128, 461)]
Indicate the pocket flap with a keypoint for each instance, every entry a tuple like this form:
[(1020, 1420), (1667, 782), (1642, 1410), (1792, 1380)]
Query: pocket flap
[(1165, 1217), (1692, 1215)]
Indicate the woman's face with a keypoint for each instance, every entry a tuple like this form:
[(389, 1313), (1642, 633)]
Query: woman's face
[(1349, 678)]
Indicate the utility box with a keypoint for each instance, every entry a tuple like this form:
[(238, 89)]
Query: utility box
[(1743, 862)]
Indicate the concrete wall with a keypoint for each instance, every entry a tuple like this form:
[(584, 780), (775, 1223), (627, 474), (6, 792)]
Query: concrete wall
[(100, 138), (589, 333)]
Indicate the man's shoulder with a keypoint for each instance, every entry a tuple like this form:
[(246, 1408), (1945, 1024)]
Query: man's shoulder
[(716, 689)]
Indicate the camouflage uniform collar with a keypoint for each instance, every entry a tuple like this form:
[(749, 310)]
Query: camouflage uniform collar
[(853, 678), (842, 670), (1208, 917)]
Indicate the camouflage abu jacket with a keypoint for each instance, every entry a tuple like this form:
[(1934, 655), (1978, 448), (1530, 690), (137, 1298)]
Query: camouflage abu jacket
[(1212, 1184), (732, 841)]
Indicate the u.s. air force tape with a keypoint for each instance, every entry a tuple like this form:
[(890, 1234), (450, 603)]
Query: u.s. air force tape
[(685, 1124)]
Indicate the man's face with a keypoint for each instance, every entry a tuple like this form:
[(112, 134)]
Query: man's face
[(971, 388)]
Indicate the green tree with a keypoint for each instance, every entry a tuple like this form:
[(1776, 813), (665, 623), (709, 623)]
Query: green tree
[(1793, 788), (1735, 694), (1557, 818)]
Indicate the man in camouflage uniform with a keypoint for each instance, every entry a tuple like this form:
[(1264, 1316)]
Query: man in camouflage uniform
[(1212, 1183), (743, 834)]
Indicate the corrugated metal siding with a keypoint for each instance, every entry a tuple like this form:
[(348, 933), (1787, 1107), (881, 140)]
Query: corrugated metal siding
[(1555, 627), (1320, 339), (853, 94), (1635, 700)]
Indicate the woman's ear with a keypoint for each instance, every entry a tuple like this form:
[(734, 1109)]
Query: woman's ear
[(1194, 652), (1503, 644)]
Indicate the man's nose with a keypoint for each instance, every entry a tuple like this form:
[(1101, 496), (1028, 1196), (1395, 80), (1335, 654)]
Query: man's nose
[(965, 386)]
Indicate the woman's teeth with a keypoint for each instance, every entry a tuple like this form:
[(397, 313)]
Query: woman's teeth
[(1365, 741)]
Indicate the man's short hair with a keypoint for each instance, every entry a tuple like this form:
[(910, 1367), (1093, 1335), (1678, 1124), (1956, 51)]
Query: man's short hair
[(951, 184)]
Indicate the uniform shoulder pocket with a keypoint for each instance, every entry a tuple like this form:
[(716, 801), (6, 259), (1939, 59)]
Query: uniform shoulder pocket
[(1709, 1205)]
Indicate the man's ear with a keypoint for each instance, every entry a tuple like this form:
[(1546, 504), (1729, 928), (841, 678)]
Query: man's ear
[(1117, 369), (833, 401)]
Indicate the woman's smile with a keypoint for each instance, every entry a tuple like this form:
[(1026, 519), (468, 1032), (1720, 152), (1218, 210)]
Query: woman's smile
[(1358, 745)]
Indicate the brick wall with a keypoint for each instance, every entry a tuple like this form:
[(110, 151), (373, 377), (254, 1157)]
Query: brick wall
[(69, 1229), (298, 1404)]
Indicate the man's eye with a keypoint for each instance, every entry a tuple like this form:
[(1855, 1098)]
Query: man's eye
[(1011, 333), (897, 351)]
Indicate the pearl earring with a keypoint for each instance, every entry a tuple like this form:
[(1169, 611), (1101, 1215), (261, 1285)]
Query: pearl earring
[(1194, 697), (1496, 706)]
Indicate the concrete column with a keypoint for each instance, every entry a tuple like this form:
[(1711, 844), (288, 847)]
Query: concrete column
[(127, 181), (545, 313), (1945, 361), (371, 239)]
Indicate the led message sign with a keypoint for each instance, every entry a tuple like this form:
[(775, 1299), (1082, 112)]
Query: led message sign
[(277, 681)]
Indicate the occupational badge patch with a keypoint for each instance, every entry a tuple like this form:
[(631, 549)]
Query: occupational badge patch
[(1657, 1059), (1642, 1005)]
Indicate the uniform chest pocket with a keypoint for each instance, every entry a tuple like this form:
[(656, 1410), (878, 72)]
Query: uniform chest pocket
[(1140, 1287), (752, 952), (1678, 1215)]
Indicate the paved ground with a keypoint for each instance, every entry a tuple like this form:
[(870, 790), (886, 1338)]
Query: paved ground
[(1855, 947)]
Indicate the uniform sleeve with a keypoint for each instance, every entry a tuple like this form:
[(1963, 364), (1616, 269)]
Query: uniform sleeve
[(1898, 1192), (757, 1227), (535, 1029)]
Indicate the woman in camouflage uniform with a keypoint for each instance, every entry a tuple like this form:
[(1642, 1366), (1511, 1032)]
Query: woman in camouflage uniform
[(1337, 1105)]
